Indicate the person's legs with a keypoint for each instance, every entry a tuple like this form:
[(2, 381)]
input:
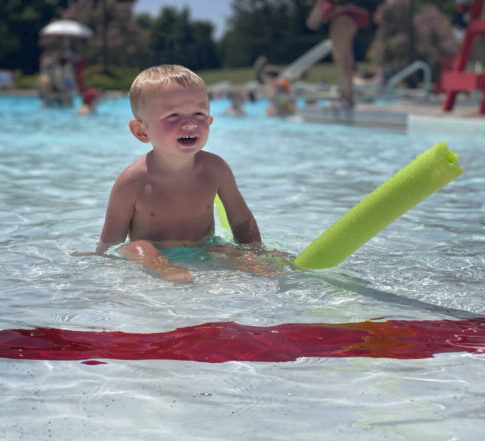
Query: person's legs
[(342, 31), (246, 260), (146, 254)]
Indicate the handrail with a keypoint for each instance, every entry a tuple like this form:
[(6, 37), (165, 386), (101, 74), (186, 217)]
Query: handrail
[(308, 59), (407, 71)]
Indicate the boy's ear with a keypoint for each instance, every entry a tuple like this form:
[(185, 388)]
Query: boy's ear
[(211, 119), (138, 130)]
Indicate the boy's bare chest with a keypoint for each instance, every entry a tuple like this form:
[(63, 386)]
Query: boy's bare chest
[(159, 199)]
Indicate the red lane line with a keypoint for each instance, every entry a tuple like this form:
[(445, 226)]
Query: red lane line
[(229, 341)]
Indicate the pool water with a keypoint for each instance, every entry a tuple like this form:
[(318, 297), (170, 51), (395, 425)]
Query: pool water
[(56, 171)]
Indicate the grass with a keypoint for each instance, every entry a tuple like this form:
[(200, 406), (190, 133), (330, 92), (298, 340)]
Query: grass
[(122, 77), (323, 72)]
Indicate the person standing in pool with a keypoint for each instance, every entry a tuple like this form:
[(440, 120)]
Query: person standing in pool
[(165, 198), (344, 19)]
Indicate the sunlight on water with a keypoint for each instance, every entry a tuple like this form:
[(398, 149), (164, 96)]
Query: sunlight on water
[(56, 171)]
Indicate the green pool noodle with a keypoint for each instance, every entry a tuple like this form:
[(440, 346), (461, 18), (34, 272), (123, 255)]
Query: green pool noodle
[(429, 172), (221, 213)]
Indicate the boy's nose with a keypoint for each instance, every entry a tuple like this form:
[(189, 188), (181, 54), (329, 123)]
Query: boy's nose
[(189, 123)]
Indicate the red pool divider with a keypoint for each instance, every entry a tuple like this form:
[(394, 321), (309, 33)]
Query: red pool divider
[(229, 341)]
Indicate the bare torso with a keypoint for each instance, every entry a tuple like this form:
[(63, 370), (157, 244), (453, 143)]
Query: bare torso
[(170, 209), (173, 212)]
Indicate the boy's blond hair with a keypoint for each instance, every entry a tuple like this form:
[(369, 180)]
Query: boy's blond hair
[(157, 77)]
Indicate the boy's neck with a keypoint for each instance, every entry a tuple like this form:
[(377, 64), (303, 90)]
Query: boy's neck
[(165, 164)]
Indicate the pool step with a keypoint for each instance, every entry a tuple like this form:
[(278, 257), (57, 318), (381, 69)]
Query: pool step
[(363, 118)]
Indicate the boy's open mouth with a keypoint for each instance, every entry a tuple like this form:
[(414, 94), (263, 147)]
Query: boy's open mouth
[(187, 140)]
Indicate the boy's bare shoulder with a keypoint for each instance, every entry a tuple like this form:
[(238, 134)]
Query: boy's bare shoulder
[(136, 168), (211, 160), (133, 173), (215, 165)]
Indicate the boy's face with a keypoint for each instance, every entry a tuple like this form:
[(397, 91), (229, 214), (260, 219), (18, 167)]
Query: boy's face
[(176, 119)]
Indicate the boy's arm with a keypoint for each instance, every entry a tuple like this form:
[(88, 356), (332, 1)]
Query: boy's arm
[(119, 213), (243, 224), (117, 220)]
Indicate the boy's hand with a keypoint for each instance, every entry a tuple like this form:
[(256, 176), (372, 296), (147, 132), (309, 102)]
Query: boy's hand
[(86, 253)]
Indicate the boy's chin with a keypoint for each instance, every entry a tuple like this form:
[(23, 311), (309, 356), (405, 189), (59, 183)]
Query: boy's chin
[(189, 149)]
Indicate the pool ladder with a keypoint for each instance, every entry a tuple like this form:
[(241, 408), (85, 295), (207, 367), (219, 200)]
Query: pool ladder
[(417, 65)]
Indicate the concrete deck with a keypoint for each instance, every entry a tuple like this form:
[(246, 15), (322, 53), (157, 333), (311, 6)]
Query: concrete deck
[(404, 116)]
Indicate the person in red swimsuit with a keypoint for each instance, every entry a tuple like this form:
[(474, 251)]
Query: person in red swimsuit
[(344, 19)]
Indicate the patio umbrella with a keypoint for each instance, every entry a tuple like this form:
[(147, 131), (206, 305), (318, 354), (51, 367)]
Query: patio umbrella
[(66, 28)]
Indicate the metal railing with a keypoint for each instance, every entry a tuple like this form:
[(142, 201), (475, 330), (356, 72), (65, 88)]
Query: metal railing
[(406, 72)]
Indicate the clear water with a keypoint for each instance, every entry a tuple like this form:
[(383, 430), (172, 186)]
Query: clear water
[(56, 171)]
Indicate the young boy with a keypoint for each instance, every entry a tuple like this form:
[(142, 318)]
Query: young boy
[(165, 198)]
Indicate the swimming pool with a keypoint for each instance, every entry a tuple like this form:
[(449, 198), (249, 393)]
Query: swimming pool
[(56, 173)]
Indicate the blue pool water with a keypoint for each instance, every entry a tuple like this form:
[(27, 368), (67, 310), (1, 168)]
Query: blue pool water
[(56, 171)]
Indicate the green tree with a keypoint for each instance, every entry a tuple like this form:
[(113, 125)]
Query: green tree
[(120, 38), (447, 7), (425, 34), (176, 39), (266, 27), (20, 24)]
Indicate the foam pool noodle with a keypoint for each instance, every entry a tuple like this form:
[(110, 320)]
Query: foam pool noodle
[(221, 213), (429, 172)]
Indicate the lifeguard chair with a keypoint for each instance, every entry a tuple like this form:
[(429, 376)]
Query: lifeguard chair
[(457, 79)]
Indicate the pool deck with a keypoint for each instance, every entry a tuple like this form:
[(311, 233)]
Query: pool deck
[(18, 92), (35, 93), (407, 115)]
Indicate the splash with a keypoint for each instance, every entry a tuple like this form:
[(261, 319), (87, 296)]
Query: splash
[(229, 341)]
